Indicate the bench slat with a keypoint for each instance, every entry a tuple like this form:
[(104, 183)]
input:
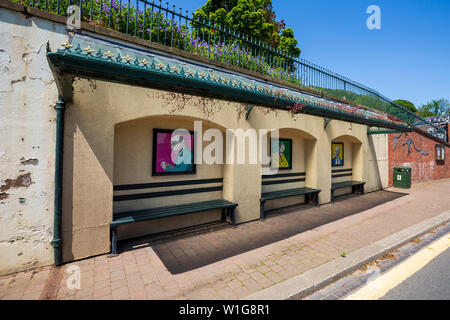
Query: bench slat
[(287, 193), (162, 184), (265, 183), (341, 170), (168, 193), (178, 207), (342, 175), (284, 175), (345, 184), (156, 213), (174, 209)]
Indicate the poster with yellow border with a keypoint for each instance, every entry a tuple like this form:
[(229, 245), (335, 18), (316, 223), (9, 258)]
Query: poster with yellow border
[(337, 154)]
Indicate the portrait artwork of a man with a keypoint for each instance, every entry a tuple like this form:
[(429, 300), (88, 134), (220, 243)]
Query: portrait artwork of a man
[(337, 154)]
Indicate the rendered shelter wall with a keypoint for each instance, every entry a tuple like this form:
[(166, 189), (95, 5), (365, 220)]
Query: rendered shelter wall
[(110, 143)]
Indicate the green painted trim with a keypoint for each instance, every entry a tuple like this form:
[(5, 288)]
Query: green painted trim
[(84, 63), (385, 131), (325, 123)]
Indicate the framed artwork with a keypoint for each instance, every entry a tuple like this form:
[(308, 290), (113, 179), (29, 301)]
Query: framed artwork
[(172, 153), (281, 153), (337, 154)]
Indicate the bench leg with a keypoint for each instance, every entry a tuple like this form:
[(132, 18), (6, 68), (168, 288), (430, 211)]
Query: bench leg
[(362, 189), (224, 214), (316, 199), (332, 195), (232, 216), (261, 210), (114, 241)]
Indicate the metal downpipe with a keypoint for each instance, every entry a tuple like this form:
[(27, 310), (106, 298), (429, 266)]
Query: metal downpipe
[(57, 241)]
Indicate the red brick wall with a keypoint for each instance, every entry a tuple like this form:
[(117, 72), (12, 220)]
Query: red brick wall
[(423, 167)]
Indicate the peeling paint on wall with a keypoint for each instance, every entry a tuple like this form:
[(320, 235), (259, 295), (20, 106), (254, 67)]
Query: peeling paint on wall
[(29, 161), (23, 180), (26, 170)]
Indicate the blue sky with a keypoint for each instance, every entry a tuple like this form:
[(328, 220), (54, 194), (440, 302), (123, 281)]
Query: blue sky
[(409, 58)]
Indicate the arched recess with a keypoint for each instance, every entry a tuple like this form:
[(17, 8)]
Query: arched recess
[(88, 179), (91, 119), (353, 164), (304, 161), (133, 161)]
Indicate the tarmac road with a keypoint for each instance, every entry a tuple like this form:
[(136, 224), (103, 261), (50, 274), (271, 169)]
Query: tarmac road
[(432, 282)]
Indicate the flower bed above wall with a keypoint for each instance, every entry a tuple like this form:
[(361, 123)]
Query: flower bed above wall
[(162, 24), (111, 61)]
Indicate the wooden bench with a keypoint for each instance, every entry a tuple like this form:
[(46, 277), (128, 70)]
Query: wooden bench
[(132, 216), (338, 173), (311, 195)]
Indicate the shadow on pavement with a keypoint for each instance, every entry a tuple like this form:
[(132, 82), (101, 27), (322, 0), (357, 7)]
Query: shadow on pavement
[(200, 246)]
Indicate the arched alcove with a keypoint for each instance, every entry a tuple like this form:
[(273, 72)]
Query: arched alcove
[(303, 167), (104, 115), (348, 164), (134, 153)]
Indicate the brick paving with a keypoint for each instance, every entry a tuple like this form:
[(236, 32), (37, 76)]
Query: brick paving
[(194, 252), (267, 253)]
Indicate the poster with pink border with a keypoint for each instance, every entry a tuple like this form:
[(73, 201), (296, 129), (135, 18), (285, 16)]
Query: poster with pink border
[(173, 153)]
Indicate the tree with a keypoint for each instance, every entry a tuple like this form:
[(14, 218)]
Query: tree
[(441, 106), (435, 108), (255, 18), (407, 104), (425, 111), (288, 43)]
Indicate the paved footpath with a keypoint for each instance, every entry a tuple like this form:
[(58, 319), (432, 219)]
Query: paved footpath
[(179, 268)]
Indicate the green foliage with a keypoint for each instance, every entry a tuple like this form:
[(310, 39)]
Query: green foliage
[(370, 101), (435, 108), (288, 43), (255, 18), (425, 111), (407, 104), (118, 15), (157, 26), (432, 108)]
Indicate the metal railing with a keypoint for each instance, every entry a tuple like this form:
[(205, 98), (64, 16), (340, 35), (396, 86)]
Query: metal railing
[(154, 22)]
